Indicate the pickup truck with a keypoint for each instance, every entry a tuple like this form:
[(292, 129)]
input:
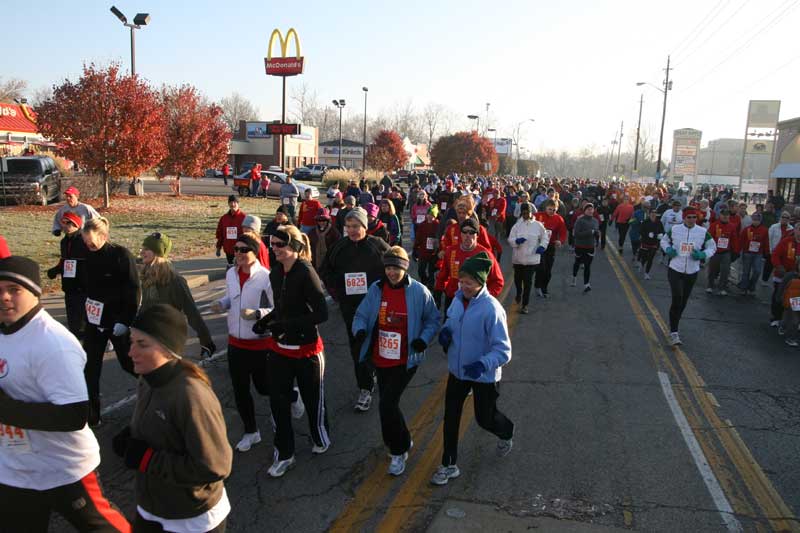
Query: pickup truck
[(30, 179)]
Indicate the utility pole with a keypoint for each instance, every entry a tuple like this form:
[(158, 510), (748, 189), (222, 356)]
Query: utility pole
[(619, 147), (638, 127), (667, 87)]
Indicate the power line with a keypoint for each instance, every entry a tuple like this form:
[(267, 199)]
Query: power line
[(693, 34), (716, 31), (770, 73)]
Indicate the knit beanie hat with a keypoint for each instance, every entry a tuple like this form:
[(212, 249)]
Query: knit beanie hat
[(350, 200), (253, 222), (477, 266), (74, 218), (433, 211), (525, 206), (359, 214), (372, 209), (158, 243), (250, 242), (397, 257), (4, 250), (322, 214), (165, 324), (23, 271), (470, 223)]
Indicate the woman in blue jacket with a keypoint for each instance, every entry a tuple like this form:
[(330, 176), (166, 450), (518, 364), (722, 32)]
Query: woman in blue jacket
[(395, 322), (475, 337)]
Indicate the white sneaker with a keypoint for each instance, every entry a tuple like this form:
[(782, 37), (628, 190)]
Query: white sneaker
[(364, 400), (675, 339), (646, 275), (445, 474), (248, 439), (709, 290), (279, 467), (723, 292), (298, 407), (539, 293), (775, 323), (792, 342), (319, 450), (587, 288), (504, 446), (574, 282), (398, 464)]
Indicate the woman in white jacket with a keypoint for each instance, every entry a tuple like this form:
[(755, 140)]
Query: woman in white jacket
[(248, 297), (528, 239)]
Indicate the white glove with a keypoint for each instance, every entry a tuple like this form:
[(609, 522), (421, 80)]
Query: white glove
[(216, 307), (250, 314), (120, 329)]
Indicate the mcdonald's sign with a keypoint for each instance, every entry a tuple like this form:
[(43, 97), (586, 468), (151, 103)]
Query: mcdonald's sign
[(283, 65)]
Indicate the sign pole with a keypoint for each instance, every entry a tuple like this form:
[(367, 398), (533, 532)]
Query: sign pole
[(282, 144), (744, 147)]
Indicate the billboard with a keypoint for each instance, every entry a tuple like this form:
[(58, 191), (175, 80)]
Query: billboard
[(763, 113), (758, 145), (502, 146), (685, 149), (257, 130)]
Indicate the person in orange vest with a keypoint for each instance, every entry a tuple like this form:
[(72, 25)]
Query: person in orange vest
[(784, 259), (754, 243)]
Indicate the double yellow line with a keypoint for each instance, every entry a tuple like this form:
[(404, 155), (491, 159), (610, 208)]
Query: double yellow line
[(740, 476)]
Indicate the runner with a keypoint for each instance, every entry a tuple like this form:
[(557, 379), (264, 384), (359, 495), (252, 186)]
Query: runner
[(72, 269), (651, 230), (308, 212), (84, 211), (349, 268), (181, 458), (557, 235), (229, 228), (686, 244), (790, 291), (784, 259), (418, 212), (49, 455), (391, 222), (475, 338), (162, 285), (496, 214), (323, 236), (426, 246), (529, 240), (375, 227), (280, 219), (586, 229), (248, 297), (251, 225), (604, 211), (464, 209), (621, 217), (398, 319), (112, 298), (226, 173), (634, 230), (297, 350), (726, 238), (349, 204), (754, 244)]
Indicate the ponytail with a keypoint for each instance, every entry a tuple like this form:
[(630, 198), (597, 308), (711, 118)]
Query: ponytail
[(194, 371)]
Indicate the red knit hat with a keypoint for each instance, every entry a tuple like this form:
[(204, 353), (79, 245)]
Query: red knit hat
[(74, 218), (73, 190), (4, 251), (691, 211)]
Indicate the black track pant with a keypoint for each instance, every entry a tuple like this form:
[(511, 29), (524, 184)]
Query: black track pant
[(426, 270), (646, 256), (81, 503), (75, 305), (622, 228), (486, 414), (523, 276), (392, 382), (681, 287), (635, 245), (309, 373), (146, 526), (583, 256), (603, 230), (365, 371), (544, 270), (776, 304), (95, 346), (246, 366)]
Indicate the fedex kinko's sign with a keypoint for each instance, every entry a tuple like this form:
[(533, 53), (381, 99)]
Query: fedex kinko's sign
[(283, 66)]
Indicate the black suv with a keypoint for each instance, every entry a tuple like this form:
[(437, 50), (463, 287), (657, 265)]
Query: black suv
[(31, 179)]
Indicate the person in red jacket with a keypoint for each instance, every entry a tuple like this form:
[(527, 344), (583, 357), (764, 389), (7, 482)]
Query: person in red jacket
[(557, 234), (496, 215), (255, 179), (465, 208), (621, 217), (226, 172), (308, 212), (229, 228), (447, 278), (725, 236), (754, 242), (784, 259), (425, 247)]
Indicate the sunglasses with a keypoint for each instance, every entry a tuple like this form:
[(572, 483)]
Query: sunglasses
[(469, 232), (690, 216), (278, 244), (241, 249)]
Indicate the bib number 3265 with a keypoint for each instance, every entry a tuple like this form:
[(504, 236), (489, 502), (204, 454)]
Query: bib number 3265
[(355, 283)]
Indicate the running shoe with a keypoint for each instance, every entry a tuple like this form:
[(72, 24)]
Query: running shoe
[(279, 468), (675, 339), (574, 282), (540, 293), (774, 323), (504, 446), (709, 290), (587, 288), (298, 407), (398, 464), (248, 440), (445, 474), (646, 275), (319, 450), (792, 342), (524, 310), (364, 401)]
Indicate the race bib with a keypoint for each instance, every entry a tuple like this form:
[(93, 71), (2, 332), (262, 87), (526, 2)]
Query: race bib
[(443, 206), (722, 243), (549, 234), (602, 218), (379, 197), (355, 283), (286, 201), (14, 439), (389, 343), (94, 311), (70, 267), (334, 211), (430, 242), (494, 212), (795, 303), (755, 246), (231, 233), (420, 219), (686, 249)]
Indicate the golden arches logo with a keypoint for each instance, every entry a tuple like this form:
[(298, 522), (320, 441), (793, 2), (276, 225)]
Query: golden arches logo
[(284, 42)]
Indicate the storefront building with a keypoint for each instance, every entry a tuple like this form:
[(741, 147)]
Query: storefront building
[(252, 144), (18, 131), (785, 176), (352, 153)]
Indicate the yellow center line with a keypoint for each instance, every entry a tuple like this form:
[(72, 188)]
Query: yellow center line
[(761, 489)]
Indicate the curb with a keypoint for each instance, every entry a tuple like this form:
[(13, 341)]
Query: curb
[(198, 280)]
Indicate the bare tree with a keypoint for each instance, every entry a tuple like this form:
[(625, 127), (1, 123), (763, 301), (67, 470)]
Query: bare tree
[(13, 89), (235, 108), (40, 95), (432, 116), (306, 108)]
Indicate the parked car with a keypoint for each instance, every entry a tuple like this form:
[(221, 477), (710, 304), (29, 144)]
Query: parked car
[(301, 173), (317, 171), (31, 179), (276, 179), (334, 167)]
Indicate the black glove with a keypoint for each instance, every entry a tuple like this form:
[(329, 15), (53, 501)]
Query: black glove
[(437, 299), (277, 328), (53, 272), (419, 345), (120, 441), (208, 350), (262, 325), (360, 336), (57, 233), (134, 453)]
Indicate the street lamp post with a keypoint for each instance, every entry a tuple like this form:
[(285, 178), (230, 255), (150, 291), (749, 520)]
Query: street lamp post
[(516, 133), (141, 19), (340, 105), (638, 127), (477, 123), (664, 91), (364, 148)]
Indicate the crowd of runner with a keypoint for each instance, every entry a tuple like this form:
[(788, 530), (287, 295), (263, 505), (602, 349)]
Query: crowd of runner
[(357, 246)]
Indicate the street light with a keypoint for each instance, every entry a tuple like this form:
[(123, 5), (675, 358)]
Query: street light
[(141, 19), (340, 104), (477, 119), (493, 130), (516, 132), (364, 148), (664, 91)]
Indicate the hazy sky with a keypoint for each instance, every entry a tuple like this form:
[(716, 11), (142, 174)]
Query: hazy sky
[(572, 66)]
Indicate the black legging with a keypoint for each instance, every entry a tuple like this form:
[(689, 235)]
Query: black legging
[(583, 256), (681, 287), (622, 228), (603, 229), (523, 276), (646, 256), (544, 270)]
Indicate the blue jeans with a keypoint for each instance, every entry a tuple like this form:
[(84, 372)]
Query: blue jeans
[(306, 229), (751, 270), (254, 188)]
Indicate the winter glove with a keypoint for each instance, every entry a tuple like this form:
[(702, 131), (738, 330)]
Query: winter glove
[(419, 345), (474, 370), (216, 307), (134, 453), (53, 272), (671, 252), (250, 314), (219, 253), (56, 233), (208, 351), (277, 328), (119, 443), (445, 338), (698, 255), (360, 336), (540, 250), (120, 329), (520, 240)]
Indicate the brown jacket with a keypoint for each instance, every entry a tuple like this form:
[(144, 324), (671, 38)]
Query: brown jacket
[(180, 418)]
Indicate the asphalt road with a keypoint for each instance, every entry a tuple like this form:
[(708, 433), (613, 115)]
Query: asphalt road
[(615, 430)]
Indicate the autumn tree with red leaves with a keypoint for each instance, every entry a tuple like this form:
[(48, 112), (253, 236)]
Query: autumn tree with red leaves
[(464, 152), (197, 136), (386, 152), (112, 124)]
